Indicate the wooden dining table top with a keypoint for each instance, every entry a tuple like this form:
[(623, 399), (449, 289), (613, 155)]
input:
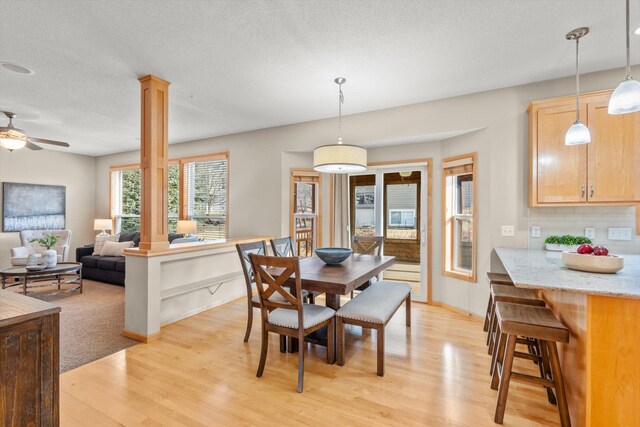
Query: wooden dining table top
[(340, 279)]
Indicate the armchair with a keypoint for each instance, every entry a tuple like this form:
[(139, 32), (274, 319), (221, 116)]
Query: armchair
[(19, 255)]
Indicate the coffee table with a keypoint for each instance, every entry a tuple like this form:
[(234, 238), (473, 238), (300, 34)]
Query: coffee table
[(64, 273)]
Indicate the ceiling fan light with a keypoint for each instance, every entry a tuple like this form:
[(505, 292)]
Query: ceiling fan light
[(577, 134), (339, 158), (626, 98), (12, 139)]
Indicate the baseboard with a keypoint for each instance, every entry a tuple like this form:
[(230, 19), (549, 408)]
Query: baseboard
[(139, 337), (456, 310)]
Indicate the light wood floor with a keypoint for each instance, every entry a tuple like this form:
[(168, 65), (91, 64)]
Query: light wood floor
[(200, 373)]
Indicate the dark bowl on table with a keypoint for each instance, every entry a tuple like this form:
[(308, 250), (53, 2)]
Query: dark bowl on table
[(333, 256)]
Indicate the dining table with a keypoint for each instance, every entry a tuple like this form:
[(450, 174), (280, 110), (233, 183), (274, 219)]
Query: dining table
[(335, 281)]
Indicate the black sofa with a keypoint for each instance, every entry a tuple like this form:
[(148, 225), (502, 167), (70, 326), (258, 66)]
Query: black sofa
[(110, 269)]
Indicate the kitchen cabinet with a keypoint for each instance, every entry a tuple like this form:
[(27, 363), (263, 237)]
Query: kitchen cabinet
[(604, 172)]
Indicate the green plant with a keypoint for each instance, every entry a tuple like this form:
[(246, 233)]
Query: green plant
[(567, 240), (47, 240)]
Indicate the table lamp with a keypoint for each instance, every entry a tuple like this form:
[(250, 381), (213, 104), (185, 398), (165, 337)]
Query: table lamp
[(104, 225), (186, 227)]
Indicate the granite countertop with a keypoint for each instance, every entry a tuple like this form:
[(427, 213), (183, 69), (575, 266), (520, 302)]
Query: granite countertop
[(538, 269)]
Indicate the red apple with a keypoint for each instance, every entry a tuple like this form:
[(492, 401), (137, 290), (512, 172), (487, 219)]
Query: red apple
[(585, 249), (600, 251)]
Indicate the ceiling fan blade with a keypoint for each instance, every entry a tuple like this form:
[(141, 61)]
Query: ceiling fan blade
[(32, 146), (49, 141)]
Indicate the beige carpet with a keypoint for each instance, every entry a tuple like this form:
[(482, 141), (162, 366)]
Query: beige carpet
[(91, 323)]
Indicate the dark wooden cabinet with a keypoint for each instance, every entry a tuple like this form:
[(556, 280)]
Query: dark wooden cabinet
[(29, 361)]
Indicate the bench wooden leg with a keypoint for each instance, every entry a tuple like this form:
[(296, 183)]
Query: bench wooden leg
[(340, 340), (408, 309), (380, 339)]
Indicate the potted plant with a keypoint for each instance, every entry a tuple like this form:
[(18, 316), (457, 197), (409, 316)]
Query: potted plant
[(565, 243), (48, 241)]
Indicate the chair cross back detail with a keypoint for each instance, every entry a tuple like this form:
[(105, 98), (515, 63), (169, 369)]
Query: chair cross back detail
[(268, 285), (244, 250), (283, 247), (368, 245)]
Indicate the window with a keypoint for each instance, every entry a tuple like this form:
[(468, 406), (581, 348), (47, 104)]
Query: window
[(402, 218), (363, 204), (305, 218), (459, 217), (197, 189)]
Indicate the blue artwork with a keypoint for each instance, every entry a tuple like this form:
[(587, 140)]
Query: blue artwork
[(33, 207)]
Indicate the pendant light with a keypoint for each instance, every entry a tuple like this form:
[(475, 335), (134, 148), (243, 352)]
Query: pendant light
[(340, 158), (578, 133), (626, 98)]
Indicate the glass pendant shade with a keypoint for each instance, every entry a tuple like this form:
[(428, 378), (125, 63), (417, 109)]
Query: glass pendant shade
[(339, 158), (12, 138), (577, 134), (626, 98)]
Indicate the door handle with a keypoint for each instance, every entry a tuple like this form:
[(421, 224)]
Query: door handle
[(582, 191), (591, 190)]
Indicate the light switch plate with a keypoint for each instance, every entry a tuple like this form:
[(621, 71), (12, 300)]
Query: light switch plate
[(535, 231), (590, 233), (508, 231), (619, 233)]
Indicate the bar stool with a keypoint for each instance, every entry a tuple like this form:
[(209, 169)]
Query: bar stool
[(538, 323), (507, 293), (498, 279)]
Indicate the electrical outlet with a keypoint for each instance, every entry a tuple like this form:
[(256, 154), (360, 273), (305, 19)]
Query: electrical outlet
[(535, 231), (590, 233), (619, 233), (508, 231)]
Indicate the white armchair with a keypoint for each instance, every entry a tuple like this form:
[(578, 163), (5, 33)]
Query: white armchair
[(20, 254)]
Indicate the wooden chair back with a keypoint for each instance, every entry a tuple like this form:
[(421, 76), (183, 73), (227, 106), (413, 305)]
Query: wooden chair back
[(244, 250), (368, 245), (268, 285), (283, 247)]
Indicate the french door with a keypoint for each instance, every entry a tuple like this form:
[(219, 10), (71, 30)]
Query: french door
[(392, 202)]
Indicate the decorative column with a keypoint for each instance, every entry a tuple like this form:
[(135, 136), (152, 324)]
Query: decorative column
[(154, 165)]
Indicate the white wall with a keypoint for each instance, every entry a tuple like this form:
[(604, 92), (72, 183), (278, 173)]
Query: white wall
[(259, 169), (77, 173)]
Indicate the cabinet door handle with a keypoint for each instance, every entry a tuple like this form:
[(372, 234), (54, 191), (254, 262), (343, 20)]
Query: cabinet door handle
[(582, 191), (591, 190)]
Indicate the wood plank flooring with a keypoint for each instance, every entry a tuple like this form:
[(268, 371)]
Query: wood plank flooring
[(201, 373)]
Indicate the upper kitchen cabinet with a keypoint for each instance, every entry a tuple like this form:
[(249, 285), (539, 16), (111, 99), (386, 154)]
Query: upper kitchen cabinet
[(606, 171)]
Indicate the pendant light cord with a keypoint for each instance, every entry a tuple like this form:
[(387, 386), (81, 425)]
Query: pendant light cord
[(629, 77), (577, 81), (340, 102)]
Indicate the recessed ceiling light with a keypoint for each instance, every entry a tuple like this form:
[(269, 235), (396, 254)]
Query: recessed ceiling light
[(16, 68)]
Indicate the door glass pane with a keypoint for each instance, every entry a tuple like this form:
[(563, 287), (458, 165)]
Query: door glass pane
[(305, 197), (402, 208), (365, 212), (305, 230)]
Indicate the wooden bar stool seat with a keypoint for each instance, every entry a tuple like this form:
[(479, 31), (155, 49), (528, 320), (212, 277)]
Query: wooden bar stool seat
[(539, 323), (497, 279), (506, 293)]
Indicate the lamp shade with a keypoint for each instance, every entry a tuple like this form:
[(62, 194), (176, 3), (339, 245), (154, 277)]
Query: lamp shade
[(12, 138), (577, 134), (626, 98), (186, 227), (339, 158), (102, 224)]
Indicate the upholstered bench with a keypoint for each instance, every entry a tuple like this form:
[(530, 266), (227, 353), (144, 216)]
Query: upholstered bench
[(373, 308)]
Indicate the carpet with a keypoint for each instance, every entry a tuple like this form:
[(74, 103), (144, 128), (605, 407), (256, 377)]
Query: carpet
[(91, 323)]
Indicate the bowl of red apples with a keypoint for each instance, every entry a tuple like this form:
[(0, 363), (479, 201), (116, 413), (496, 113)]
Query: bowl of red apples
[(594, 259)]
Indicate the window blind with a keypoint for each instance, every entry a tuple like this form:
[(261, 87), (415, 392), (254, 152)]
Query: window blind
[(206, 196)]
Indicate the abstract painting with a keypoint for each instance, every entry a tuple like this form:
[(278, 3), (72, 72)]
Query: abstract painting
[(33, 207)]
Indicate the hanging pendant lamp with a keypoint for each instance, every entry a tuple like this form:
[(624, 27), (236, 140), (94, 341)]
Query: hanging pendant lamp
[(340, 158), (626, 98), (578, 133)]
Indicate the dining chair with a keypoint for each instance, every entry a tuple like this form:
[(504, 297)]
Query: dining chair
[(284, 247), (290, 317), (367, 245)]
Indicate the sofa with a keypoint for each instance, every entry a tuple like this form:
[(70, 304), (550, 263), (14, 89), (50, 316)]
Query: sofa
[(111, 269), (20, 254)]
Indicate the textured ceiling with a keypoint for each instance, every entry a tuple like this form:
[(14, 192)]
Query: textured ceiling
[(243, 65)]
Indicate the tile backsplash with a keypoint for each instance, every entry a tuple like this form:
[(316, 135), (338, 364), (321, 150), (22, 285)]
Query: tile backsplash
[(573, 220)]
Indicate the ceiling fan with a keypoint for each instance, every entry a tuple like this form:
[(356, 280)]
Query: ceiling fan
[(13, 138)]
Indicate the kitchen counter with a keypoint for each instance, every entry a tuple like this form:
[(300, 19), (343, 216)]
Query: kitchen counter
[(538, 269), (602, 311)]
